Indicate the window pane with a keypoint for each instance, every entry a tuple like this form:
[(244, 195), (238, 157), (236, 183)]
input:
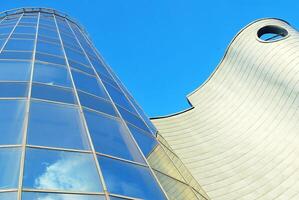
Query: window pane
[(81, 67), (25, 29), (119, 98), (50, 48), (145, 142), (14, 71), (96, 104), (53, 196), (109, 136), (9, 167), (19, 45), (16, 55), (128, 179), (133, 119), (12, 114), (88, 84), (13, 89), (49, 58), (8, 196), (52, 93), (60, 170), (51, 75), (23, 36), (56, 125)]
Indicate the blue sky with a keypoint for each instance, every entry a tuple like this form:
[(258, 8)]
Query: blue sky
[(164, 49)]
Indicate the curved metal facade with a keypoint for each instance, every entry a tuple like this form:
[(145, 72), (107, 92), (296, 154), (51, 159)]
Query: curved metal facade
[(241, 139)]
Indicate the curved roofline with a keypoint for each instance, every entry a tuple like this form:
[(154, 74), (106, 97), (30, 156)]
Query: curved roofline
[(217, 67), (41, 9)]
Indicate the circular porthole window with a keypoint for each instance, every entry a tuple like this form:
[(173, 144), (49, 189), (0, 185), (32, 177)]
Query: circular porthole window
[(271, 33)]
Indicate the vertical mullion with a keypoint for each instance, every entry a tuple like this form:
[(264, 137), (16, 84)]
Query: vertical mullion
[(17, 23), (121, 118), (112, 75), (81, 113), (26, 120)]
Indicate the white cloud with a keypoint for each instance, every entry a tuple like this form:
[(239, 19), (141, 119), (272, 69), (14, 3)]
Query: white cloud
[(70, 173)]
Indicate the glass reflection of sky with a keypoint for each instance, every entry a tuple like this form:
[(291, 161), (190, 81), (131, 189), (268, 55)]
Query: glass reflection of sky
[(11, 121), (49, 121), (8, 196), (49, 196), (110, 137), (129, 179), (9, 167), (60, 170)]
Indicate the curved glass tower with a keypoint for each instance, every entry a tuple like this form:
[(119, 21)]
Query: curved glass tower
[(68, 128)]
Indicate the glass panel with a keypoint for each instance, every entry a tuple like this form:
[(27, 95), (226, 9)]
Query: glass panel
[(81, 67), (19, 45), (14, 71), (47, 32), (6, 29), (159, 160), (23, 36), (116, 198), (12, 114), (53, 196), (16, 55), (128, 179), (8, 196), (60, 170), (145, 142), (49, 58), (49, 48), (110, 137), (95, 103), (9, 167), (133, 119), (25, 29), (13, 89), (175, 189), (56, 125), (88, 84), (52, 93), (51, 75), (119, 98)]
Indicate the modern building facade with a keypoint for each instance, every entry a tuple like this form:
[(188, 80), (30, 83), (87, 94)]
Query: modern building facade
[(69, 129), (240, 138)]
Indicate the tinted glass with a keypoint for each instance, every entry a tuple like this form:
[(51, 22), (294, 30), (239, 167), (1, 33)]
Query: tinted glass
[(132, 180), (95, 103), (14, 71), (56, 125), (119, 98), (13, 89), (16, 55), (88, 84), (133, 119), (8, 196), (52, 93), (60, 170), (12, 114), (110, 137), (53, 196), (49, 58), (51, 75), (50, 48), (19, 45), (145, 142), (9, 167)]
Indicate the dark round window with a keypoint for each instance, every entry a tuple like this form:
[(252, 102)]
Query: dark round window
[(271, 33)]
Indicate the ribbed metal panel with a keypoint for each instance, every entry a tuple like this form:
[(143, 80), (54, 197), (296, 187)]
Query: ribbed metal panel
[(240, 141)]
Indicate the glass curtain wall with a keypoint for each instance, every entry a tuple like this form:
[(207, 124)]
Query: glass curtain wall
[(68, 127)]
